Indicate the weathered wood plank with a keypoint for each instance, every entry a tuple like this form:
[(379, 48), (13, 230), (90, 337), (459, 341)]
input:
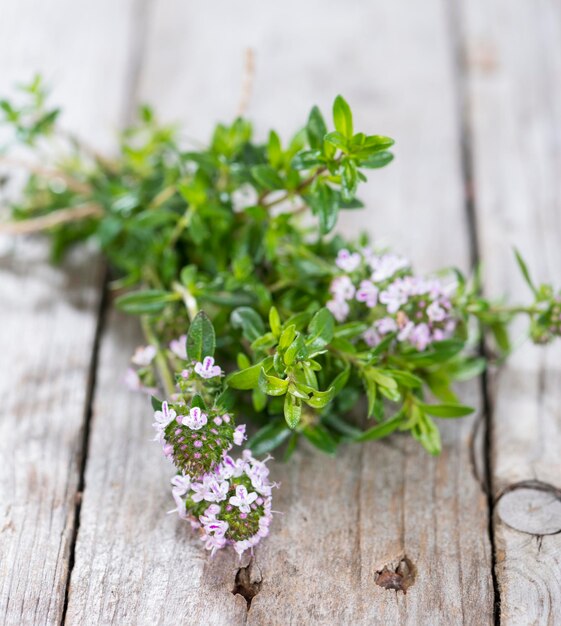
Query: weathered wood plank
[(343, 519), (49, 315), (48, 325), (514, 63)]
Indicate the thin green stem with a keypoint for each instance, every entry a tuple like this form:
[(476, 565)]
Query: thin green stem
[(188, 299), (305, 183), (161, 361)]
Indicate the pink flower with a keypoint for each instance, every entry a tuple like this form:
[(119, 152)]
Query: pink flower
[(385, 325), (181, 484), (214, 542), (394, 296), (405, 331), (196, 419), (348, 261), (342, 288), (143, 355), (435, 312), (210, 489), (339, 308), (386, 266), (241, 546), (207, 369), (420, 337), (243, 499), (165, 416), (239, 434), (371, 337), (367, 293), (179, 347)]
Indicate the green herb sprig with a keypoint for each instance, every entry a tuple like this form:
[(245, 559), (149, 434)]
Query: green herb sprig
[(224, 229)]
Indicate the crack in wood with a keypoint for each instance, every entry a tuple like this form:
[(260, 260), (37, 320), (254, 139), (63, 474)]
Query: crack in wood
[(462, 73), (83, 451), (248, 582)]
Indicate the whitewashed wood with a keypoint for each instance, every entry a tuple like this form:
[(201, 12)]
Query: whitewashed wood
[(346, 518), (48, 315), (514, 54), (134, 564), (48, 323)]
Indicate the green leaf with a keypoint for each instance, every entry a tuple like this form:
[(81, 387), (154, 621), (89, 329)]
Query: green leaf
[(350, 330), (406, 379), (248, 378), (274, 150), (426, 432), (382, 430), (325, 204), (145, 302), (267, 177), (337, 140), (271, 385), (306, 159), (340, 380), (321, 438), (320, 399), (269, 437), (377, 142), (380, 159), (249, 321), (500, 333), (198, 402), (316, 129), (287, 336), (274, 321), (320, 330), (296, 350), (381, 377), (290, 447), (371, 393), (447, 410), (201, 340), (468, 369), (342, 426), (343, 117), (525, 271), (156, 404), (292, 410)]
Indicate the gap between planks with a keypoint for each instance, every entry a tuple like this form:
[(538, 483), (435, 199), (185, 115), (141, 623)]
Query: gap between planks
[(459, 54), (88, 412)]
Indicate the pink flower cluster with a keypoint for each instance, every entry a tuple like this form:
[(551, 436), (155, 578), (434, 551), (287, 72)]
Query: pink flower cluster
[(418, 310), (228, 499), (195, 440), (230, 505)]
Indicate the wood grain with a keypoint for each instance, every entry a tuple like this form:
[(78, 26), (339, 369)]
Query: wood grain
[(48, 314), (48, 325), (514, 61)]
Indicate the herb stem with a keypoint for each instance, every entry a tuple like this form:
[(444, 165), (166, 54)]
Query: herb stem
[(160, 359), (188, 299)]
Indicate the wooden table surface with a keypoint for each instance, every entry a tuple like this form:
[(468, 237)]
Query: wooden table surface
[(471, 92)]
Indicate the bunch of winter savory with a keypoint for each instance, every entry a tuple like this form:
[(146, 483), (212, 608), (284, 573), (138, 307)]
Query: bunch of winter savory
[(382, 290), (229, 499)]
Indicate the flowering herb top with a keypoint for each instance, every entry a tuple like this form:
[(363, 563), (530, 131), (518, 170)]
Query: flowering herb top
[(231, 506), (308, 324)]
